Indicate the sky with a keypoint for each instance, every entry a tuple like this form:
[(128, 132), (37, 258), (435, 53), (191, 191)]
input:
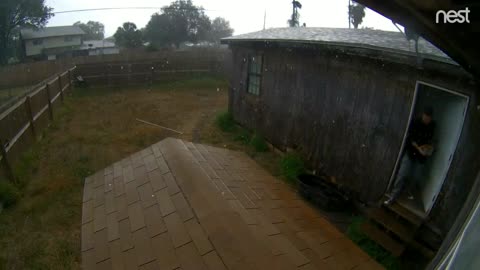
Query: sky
[(245, 15)]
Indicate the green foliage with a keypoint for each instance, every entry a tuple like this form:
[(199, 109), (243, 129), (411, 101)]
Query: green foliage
[(357, 13), (258, 143), (15, 14), (93, 30), (128, 36), (220, 29), (291, 166), (27, 165), (242, 136), (182, 21), (225, 122), (370, 247), (82, 168), (8, 193)]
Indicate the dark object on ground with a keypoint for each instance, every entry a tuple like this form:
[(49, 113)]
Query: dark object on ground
[(322, 193), (80, 81)]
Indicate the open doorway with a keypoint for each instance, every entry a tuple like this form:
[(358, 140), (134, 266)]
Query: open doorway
[(449, 110)]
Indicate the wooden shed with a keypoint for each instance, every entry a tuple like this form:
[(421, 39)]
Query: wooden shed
[(344, 98)]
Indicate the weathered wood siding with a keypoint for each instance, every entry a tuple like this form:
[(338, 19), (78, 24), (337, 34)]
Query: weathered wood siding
[(346, 114)]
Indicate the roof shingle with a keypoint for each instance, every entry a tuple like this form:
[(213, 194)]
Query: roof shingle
[(54, 31), (360, 38)]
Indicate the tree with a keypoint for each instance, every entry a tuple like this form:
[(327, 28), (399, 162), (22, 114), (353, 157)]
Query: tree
[(93, 30), (220, 29), (179, 22), (356, 13), (15, 14), (128, 36)]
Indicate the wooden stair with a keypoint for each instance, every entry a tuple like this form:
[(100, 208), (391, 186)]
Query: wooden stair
[(383, 239), (405, 213), (393, 227)]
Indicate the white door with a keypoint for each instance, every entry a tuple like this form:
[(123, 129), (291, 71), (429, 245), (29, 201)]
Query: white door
[(449, 113)]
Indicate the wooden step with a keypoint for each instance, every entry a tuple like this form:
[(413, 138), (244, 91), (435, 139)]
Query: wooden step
[(405, 213), (425, 251), (383, 239), (392, 224)]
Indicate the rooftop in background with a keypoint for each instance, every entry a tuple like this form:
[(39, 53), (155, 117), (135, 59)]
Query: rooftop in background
[(356, 38), (54, 31)]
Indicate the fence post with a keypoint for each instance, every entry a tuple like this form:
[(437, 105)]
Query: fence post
[(108, 75), (6, 163), (59, 78), (152, 74), (50, 110), (28, 108), (70, 82)]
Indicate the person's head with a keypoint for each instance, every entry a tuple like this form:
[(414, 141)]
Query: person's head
[(427, 115)]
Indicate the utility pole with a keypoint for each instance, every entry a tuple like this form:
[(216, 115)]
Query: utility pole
[(264, 18), (294, 20), (349, 15), (294, 16)]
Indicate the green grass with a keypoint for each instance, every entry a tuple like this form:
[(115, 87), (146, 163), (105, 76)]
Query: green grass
[(27, 166), (194, 81), (186, 83), (291, 166), (8, 193), (370, 247), (242, 136), (225, 122), (258, 143)]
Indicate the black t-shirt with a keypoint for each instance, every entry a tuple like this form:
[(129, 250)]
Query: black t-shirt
[(420, 133)]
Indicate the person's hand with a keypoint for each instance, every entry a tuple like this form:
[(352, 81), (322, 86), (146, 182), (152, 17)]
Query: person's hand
[(425, 150)]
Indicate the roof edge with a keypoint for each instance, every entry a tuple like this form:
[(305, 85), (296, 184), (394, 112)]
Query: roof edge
[(230, 41)]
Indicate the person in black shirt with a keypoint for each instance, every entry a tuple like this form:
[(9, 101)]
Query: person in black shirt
[(419, 147)]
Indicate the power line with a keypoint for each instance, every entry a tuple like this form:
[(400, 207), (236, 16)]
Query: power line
[(119, 8)]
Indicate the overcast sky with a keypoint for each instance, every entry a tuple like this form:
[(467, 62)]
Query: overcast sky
[(244, 15)]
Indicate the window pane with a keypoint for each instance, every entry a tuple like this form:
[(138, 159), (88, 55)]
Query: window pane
[(254, 74)]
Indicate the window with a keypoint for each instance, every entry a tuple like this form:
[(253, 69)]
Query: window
[(254, 74), (68, 38), (37, 42)]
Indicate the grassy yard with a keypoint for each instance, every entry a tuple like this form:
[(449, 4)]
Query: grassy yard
[(94, 128), (97, 127)]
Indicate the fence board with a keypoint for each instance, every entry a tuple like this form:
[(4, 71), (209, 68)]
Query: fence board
[(29, 116), (12, 122)]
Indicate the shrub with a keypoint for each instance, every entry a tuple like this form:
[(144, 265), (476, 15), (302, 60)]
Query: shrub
[(258, 143), (8, 193), (369, 246), (242, 136), (225, 122), (291, 166)]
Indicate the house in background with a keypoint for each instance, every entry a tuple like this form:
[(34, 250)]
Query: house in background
[(99, 47), (51, 42), (344, 99)]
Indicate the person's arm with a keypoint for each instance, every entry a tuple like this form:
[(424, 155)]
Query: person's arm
[(427, 149), (412, 134)]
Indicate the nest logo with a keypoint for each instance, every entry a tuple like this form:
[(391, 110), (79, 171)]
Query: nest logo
[(452, 16)]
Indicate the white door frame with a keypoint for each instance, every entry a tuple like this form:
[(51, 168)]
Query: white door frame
[(410, 116)]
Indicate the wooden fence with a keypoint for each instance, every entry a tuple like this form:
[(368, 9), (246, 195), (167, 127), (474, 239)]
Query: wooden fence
[(32, 73), (21, 124), (173, 67)]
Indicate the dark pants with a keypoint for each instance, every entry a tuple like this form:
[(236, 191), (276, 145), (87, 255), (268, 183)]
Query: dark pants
[(407, 177)]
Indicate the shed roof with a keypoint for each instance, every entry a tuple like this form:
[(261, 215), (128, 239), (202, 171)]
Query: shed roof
[(360, 38), (54, 31)]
